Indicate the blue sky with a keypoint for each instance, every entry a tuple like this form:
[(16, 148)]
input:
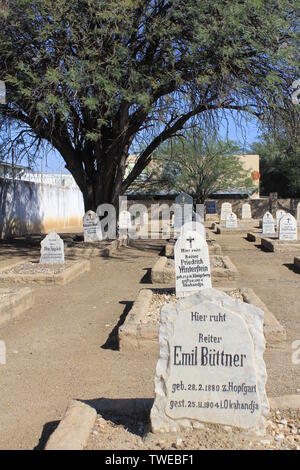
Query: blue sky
[(53, 162)]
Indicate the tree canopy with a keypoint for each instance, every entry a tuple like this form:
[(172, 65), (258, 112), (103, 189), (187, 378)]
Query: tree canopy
[(94, 77)]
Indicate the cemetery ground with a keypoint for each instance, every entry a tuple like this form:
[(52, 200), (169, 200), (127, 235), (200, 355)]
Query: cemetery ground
[(65, 347)]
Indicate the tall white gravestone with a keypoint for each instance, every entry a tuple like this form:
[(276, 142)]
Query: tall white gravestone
[(288, 228), (268, 225), (211, 367), (226, 209), (52, 249), (231, 221), (192, 267), (183, 212), (280, 213), (91, 227), (246, 211), (298, 214)]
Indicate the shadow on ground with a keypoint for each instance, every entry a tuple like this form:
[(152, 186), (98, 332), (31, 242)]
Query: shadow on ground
[(48, 429), (112, 341), (129, 412)]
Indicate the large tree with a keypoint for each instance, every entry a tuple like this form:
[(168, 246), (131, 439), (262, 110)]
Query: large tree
[(93, 76)]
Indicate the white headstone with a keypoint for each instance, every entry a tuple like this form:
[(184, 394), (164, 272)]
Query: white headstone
[(200, 213), (298, 214), (192, 267), (268, 225), (194, 227), (91, 227), (183, 212), (288, 228), (280, 213), (231, 221), (211, 367), (246, 211), (52, 249), (225, 209)]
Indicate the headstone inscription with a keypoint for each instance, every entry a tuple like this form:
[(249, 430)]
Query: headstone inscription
[(192, 267), (288, 228), (246, 211), (183, 212), (225, 210), (52, 249), (211, 367), (268, 225), (91, 227), (231, 221), (211, 207)]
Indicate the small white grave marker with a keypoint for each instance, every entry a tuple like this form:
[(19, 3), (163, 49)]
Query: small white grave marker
[(298, 214), (91, 227), (231, 221), (226, 209), (288, 228), (52, 249), (183, 211), (192, 267), (268, 225), (246, 211)]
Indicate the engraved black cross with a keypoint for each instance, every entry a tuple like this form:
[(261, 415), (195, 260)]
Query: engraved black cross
[(190, 240)]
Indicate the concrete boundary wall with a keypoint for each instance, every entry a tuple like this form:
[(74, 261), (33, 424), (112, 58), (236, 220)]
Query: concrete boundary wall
[(27, 207)]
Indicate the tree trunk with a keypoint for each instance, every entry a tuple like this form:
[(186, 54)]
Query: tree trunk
[(106, 186)]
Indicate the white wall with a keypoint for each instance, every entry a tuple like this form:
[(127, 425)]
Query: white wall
[(29, 207)]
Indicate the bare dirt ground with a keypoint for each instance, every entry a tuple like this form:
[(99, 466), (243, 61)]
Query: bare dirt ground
[(65, 347), (282, 433)]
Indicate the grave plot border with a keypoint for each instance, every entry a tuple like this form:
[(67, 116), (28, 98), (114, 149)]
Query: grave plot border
[(93, 252), (15, 304), (297, 264), (257, 236), (74, 270), (75, 427), (280, 246), (162, 274), (136, 335)]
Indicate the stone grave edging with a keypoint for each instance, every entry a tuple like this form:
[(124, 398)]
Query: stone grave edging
[(135, 335), (161, 274), (74, 429), (73, 271), (92, 252), (77, 423), (297, 264), (18, 303), (279, 246)]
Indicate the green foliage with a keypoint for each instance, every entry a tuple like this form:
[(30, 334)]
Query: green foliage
[(200, 166), (279, 164), (93, 76)]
